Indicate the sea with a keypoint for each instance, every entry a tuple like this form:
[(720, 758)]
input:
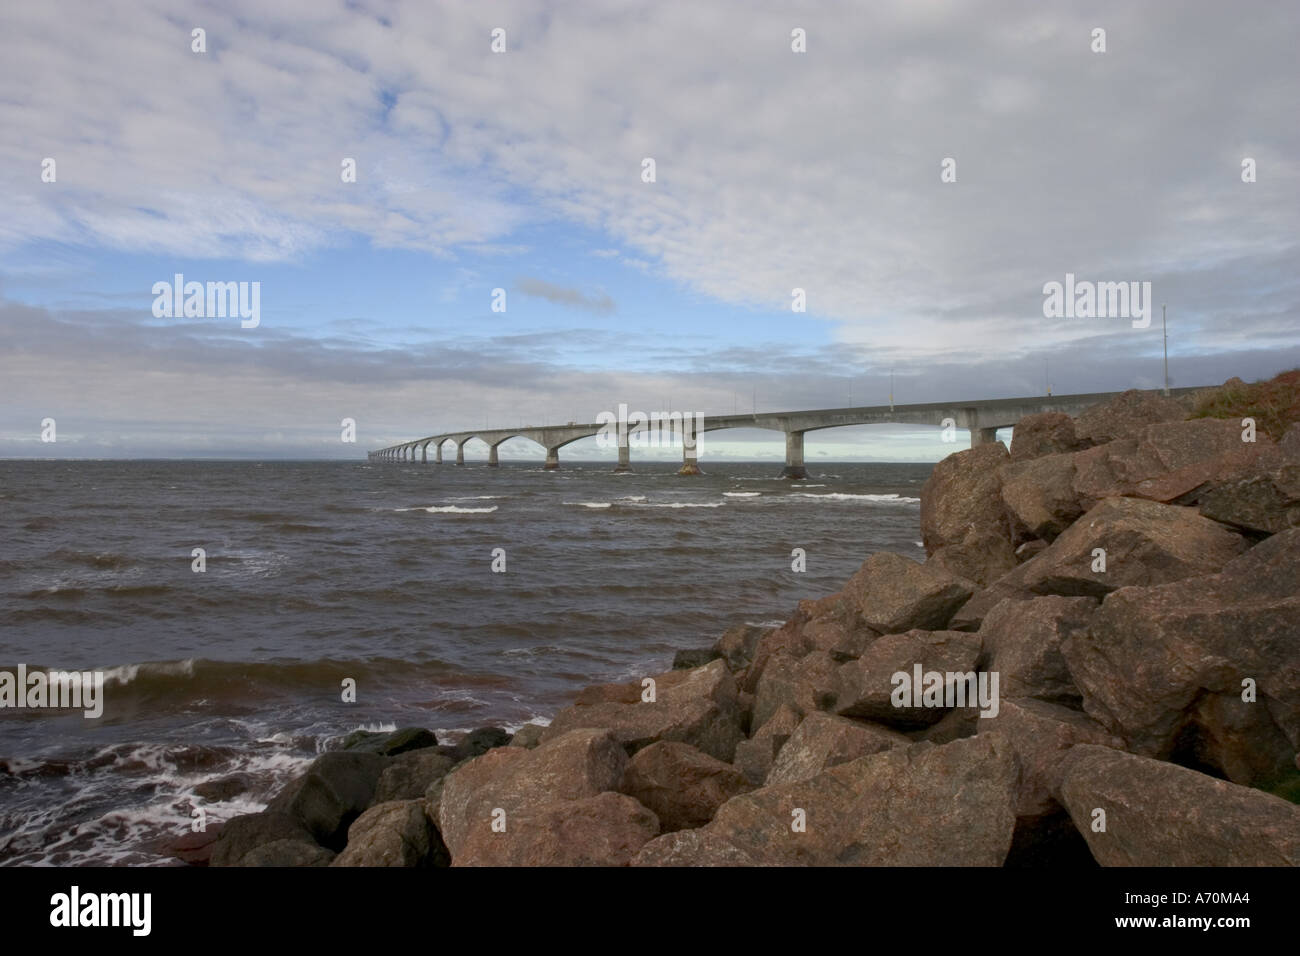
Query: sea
[(451, 597)]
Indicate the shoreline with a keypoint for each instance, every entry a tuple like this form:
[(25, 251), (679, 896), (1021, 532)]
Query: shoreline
[(1072, 578)]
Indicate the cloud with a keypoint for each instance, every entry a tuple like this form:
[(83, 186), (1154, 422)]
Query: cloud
[(561, 295)]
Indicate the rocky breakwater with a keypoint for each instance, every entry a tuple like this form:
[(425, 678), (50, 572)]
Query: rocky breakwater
[(1098, 663)]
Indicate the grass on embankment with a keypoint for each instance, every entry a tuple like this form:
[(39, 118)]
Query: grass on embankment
[(1274, 404)]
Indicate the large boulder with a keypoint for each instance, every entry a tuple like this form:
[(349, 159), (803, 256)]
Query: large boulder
[(1046, 433), (1023, 643), (396, 833), (1145, 543), (571, 767), (683, 786), (834, 624), (1153, 660), (1040, 734), (409, 774), (864, 688), (243, 834), (1261, 504), (1038, 495), (282, 853), (822, 741), (896, 594), (692, 848), (804, 684), (1160, 814), (737, 645), (919, 805), (698, 707), (336, 789), (389, 744), (1125, 415), (755, 756), (962, 522), (607, 829)]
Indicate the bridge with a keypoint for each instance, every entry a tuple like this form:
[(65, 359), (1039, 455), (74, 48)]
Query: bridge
[(983, 418)]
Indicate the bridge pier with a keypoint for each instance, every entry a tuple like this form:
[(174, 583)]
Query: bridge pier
[(492, 456), (794, 457), (982, 436), (552, 459), (690, 450), (460, 453), (624, 457), (424, 453)]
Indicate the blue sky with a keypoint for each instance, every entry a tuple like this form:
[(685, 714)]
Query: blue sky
[(522, 171)]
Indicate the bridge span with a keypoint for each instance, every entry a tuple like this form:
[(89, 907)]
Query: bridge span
[(983, 417)]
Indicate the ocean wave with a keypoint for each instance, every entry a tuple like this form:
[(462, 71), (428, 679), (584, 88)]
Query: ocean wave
[(742, 494), (589, 504), (842, 496), (682, 504), (453, 510)]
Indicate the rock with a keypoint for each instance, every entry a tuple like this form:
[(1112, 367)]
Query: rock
[(834, 625), (698, 707), (692, 848), (919, 805), (408, 775), (1160, 814), (605, 830), (1125, 415), (529, 735), (754, 757), (738, 644), (1030, 549), (225, 788), (863, 688), (1039, 495), (390, 744), (1023, 641), (337, 788), (1173, 462), (480, 741), (787, 639), (241, 835), (822, 741), (394, 833), (954, 725), (1145, 543), (1262, 504), (1046, 433), (682, 786), (971, 615), (803, 684), (1153, 656), (570, 767), (689, 659), (896, 594), (1040, 734), (287, 853), (196, 848), (962, 521)]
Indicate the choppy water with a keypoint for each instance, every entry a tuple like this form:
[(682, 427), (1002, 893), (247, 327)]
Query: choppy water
[(380, 572)]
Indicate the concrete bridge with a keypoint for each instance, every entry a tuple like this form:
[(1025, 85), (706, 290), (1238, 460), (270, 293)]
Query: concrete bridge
[(983, 418)]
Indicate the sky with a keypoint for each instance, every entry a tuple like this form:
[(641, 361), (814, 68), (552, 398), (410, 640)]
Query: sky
[(524, 171)]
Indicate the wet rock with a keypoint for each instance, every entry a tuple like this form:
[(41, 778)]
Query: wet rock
[(682, 786), (688, 659), (336, 789), (243, 834), (389, 744), (196, 848), (529, 735), (287, 853), (408, 775), (1160, 814), (480, 741), (738, 644), (225, 788)]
